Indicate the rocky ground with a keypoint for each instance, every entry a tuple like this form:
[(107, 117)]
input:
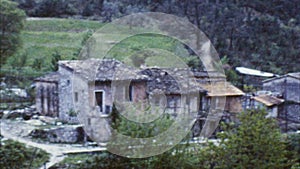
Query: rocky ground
[(27, 131)]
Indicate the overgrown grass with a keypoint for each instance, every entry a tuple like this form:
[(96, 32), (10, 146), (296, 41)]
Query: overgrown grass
[(44, 38), (62, 25)]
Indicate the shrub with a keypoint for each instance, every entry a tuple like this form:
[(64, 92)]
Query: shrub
[(16, 155)]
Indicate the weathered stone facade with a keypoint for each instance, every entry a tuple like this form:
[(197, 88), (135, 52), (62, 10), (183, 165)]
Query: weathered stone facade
[(88, 90), (288, 87), (63, 134), (47, 99), (66, 96)]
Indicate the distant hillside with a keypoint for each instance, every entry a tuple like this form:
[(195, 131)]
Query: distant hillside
[(47, 39), (43, 40), (257, 34)]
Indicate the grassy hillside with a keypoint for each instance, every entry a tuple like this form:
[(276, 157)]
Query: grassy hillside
[(43, 39)]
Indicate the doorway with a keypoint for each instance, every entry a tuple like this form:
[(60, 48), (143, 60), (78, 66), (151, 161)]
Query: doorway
[(99, 97)]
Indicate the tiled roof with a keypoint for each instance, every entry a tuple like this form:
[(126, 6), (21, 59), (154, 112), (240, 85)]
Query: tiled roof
[(102, 70), (168, 80), (221, 89), (268, 100)]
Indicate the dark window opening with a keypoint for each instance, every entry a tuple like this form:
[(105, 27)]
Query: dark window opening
[(42, 100), (107, 109), (100, 99), (201, 104), (76, 97), (130, 93)]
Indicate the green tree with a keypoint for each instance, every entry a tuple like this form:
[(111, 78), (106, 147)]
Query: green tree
[(12, 20), (256, 143), (54, 62)]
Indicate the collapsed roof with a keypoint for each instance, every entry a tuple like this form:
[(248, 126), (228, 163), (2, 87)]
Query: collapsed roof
[(167, 80), (102, 70), (171, 81)]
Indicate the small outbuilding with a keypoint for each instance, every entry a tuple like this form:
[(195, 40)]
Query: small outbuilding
[(47, 100), (288, 87), (273, 104)]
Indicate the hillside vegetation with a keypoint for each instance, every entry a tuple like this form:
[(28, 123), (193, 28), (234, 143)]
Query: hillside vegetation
[(42, 39), (263, 35), (47, 40)]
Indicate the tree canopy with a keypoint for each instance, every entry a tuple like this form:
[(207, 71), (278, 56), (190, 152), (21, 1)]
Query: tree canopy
[(255, 143), (12, 19)]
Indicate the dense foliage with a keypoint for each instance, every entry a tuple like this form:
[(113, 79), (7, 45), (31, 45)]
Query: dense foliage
[(11, 23), (16, 155), (255, 143)]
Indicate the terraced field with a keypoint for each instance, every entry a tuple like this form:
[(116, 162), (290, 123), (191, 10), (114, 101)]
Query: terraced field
[(45, 39)]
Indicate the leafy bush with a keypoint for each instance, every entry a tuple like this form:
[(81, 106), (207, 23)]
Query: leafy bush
[(178, 157), (256, 143), (293, 146), (16, 155)]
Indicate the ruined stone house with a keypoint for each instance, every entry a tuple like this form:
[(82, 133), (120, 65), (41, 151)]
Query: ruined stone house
[(177, 86), (95, 85)]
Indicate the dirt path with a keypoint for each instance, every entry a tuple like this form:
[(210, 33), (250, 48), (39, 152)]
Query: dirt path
[(17, 130)]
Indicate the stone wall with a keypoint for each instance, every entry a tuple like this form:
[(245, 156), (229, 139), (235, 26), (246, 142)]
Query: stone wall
[(288, 87), (66, 96), (64, 134), (47, 101), (293, 112)]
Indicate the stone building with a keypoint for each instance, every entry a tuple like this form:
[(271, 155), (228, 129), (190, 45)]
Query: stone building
[(47, 100), (288, 87), (272, 103), (222, 99), (87, 90), (179, 90), (90, 84)]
